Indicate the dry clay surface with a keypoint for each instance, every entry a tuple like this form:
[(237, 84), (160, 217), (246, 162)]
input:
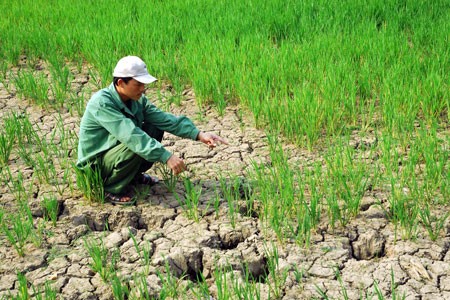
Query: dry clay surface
[(364, 252)]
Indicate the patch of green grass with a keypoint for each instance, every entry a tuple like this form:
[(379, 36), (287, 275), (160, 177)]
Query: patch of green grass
[(90, 183)]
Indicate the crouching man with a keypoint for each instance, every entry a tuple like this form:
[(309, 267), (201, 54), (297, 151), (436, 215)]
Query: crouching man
[(121, 132)]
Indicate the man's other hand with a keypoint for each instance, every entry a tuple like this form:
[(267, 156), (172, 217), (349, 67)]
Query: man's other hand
[(176, 164)]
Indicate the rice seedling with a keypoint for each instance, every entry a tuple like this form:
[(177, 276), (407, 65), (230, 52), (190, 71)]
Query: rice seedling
[(276, 277), (434, 224), (95, 79), (26, 134), (6, 146), (403, 212), (102, 261), (121, 290), (3, 71), (44, 169), (445, 187), (215, 201), (169, 180), (170, 285), (230, 192), (239, 188), (61, 78), (367, 295), (16, 184), (8, 138), (47, 294), (345, 181), (305, 224), (224, 291), (62, 140), (22, 290), (17, 228), (32, 86), (247, 288), (77, 103), (190, 200), (298, 274), (51, 209), (90, 183), (144, 251), (435, 159), (270, 186), (312, 178), (232, 284), (26, 290), (394, 294), (200, 289), (341, 284), (141, 290)]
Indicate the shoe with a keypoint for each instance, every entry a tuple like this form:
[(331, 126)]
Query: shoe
[(146, 179), (120, 199)]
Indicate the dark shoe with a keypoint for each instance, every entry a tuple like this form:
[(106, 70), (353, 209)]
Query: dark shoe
[(146, 179)]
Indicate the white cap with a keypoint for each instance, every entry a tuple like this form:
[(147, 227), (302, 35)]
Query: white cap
[(133, 66)]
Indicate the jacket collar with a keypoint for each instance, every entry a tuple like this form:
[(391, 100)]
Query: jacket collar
[(118, 100)]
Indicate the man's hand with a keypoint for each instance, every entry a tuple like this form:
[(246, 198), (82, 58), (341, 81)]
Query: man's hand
[(210, 139), (176, 164)]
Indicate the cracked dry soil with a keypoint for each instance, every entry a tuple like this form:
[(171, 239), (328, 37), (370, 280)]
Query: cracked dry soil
[(364, 252)]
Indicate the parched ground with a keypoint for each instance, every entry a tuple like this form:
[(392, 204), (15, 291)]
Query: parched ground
[(366, 252)]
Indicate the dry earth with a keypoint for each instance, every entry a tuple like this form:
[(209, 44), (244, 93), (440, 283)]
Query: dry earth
[(364, 252)]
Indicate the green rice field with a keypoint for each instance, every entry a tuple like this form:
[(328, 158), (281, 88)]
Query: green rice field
[(363, 85)]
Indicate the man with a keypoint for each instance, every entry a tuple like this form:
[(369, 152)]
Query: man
[(121, 132)]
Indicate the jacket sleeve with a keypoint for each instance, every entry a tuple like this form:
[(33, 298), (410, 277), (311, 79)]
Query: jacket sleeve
[(180, 126), (126, 131)]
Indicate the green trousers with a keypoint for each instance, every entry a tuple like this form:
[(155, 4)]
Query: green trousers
[(119, 165)]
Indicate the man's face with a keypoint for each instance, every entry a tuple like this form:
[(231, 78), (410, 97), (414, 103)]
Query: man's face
[(132, 90)]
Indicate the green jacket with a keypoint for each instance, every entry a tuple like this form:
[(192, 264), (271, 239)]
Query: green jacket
[(107, 122)]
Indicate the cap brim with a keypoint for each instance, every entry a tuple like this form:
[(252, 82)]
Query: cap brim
[(146, 79)]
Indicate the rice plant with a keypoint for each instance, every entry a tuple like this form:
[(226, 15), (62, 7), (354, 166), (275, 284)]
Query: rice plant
[(170, 285), (120, 289), (276, 276), (346, 179), (169, 180), (45, 293), (51, 209), (18, 229), (191, 199), (229, 189), (22, 290), (394, 294), (8, 138), (103, 261), (433, 223), (403, 212), (144, 251), (90, 183), (61, 78), (141, 290), (32, 86)]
